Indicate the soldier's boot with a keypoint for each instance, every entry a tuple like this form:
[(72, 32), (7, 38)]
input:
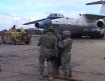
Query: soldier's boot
[(41, 76), (53, 71), (70, 74), (0, 69), (0, 64), (57, 71), (64, 77), (50, 77)]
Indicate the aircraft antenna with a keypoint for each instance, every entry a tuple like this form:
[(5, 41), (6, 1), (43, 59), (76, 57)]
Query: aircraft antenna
[(16, 20)]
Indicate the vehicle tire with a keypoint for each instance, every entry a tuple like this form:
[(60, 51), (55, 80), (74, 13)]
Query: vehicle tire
[(13, 41), (27, 42), (2, 41), (25, 36)]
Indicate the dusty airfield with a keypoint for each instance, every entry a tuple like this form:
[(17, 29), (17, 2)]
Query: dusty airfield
[(20, 62)]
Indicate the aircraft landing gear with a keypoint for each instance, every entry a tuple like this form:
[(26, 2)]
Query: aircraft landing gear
[(97, 36), (102, 36)]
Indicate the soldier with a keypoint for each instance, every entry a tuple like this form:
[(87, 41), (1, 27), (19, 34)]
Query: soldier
[(0, 64), (66, 45), (48, 47), (14, 27), (57, 60), (0, 42)]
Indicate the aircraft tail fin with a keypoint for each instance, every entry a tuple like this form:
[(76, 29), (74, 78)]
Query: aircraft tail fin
[(102, 11)]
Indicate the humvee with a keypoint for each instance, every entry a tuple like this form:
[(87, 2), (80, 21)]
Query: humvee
[(15, 36)]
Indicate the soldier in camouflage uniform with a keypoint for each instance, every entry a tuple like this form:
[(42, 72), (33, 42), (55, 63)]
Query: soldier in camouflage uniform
[(57, 60), (48, 47), (66, 46), (0, 64)]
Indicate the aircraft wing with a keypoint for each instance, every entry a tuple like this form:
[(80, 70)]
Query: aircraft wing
[(32, 22), (94, 16)]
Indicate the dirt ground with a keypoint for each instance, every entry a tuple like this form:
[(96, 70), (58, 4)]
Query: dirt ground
[(20, 62)]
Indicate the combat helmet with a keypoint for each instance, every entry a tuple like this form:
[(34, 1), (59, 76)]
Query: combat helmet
[(51, 30), (67, 33)]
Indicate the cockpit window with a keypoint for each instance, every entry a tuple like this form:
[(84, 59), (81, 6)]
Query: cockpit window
[(55, 15), (58, 15), (62, 15), (50, 15)]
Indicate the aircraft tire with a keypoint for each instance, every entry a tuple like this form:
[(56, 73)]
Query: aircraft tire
[(102, 36), (79, 36), (97, 36), (92, 36)]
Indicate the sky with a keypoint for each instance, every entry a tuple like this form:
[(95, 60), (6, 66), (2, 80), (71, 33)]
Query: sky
[(18, 12)]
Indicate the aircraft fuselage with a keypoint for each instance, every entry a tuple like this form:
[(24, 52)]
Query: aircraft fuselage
[(76, 25)]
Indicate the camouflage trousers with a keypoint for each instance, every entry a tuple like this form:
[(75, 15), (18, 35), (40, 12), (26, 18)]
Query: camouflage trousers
[(57, 61), (41, 64), (65, 63)]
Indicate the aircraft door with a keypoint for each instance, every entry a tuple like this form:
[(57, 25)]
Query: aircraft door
[(75, 27), (81, 23), (78, 27)]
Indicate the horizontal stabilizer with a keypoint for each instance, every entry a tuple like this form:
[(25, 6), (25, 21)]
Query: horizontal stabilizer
[(97, 2)]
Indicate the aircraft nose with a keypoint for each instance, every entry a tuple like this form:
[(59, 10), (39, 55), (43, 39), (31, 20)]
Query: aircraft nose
[(47, 22)]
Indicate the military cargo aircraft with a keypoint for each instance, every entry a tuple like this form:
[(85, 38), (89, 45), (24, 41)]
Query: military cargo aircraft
[(80, 25)]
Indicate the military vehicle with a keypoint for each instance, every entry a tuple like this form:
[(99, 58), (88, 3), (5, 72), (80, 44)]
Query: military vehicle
[(16, 36)]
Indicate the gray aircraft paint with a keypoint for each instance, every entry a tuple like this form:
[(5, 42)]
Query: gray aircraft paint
[(75, 24)]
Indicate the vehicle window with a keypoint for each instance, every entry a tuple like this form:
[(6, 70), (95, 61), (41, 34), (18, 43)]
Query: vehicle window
[(18, 30)]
